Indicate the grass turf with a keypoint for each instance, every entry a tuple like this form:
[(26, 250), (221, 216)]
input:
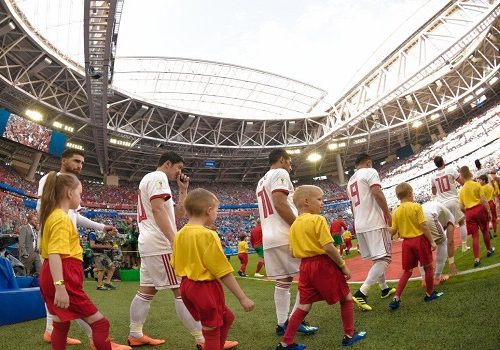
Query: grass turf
[(465, 317)]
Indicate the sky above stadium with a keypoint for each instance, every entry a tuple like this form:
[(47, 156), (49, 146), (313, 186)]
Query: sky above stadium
[(320, 42), (330, 44)]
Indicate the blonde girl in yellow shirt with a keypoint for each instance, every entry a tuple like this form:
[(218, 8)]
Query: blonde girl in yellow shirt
[(61, 276)]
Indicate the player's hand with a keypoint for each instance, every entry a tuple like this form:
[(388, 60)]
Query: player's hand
[(453, 269), (110, 229), (61, 297), (388, 220), (183, 182), (346, 272), (433, 246), (247, 303)]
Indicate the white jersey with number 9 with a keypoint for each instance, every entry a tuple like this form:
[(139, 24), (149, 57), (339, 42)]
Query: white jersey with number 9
[(367, 214)]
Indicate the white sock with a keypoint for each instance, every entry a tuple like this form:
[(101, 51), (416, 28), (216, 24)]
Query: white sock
[(194, 327), (282, 301), (463, 234), (49, 321), (381, 281), (441, 255), (85, 326), (374, 275), (297, 302), (139, 310)]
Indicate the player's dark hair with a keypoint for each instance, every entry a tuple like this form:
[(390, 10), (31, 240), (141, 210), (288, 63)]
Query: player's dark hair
[(70, 152), (276, 154), (438, 161), (171, 156), (478, 164), (243, 237), (363, 157)]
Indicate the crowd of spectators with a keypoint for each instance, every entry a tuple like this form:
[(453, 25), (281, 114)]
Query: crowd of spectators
[(13, 214), (465, 139)]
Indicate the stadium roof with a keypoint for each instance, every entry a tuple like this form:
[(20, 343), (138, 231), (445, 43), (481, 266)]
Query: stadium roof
[(433, 77)]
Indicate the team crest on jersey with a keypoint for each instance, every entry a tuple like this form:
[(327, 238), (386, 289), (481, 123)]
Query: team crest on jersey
[(160, 184)]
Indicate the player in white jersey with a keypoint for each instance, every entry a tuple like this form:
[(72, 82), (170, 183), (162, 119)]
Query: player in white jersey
[(371, 221), (72, 162), (277, 212), (441, 223), (443, 184), (156, 217)]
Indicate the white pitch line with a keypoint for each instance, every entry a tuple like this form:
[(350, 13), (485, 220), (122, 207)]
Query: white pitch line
[(466, 272)]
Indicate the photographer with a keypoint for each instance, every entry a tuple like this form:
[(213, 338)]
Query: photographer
[(102, 251)]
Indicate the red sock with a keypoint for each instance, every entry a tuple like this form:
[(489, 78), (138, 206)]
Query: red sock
[(259, 266), (402, 282), (212, 339), (224, 330), (293, 324), (475, 244), (59, 335), (429, 279), (347, 315), (100, 334)]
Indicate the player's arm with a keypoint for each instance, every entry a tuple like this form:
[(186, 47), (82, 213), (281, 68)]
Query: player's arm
[(161, 218), (486, 206), (382, 202), (280, 202), (182, 184), (231, 284), (82, 221), (427, 234), (334, 254)]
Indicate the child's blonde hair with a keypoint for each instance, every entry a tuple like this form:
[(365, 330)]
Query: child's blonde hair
[(403, 190), (465, 173), (304, 192), (198, 200), (54, 191)]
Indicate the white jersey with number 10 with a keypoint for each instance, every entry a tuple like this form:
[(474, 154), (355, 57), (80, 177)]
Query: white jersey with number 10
[(275, 230), (367, 214), (444, 182)]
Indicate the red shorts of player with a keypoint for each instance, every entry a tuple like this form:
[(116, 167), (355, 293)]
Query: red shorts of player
[(415, 250), (205, 301), (80, 305), (493, 210), (321, 279), (476, 218)]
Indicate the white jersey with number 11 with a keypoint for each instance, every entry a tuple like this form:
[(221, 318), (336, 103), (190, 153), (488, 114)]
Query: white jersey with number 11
[(275, 230)]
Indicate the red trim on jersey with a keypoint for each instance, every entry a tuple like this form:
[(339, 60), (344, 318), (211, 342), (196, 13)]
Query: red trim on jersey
[(281, 190), (166, 196)]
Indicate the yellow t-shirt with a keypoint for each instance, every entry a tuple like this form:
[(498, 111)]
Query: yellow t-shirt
[(496, 187), (60, 237), (308, 234), (488, 191), (470, 194), (407, 218), (346, 235), (198, 254), (242, 247)]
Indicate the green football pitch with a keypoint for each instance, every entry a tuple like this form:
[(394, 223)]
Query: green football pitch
[(466, 317)]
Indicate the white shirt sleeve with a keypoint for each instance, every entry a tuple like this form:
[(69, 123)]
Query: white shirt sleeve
[(280, 182), (82, 221)]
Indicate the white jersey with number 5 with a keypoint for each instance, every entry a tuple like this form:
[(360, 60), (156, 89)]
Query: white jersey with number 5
[(151, 240), (275, 230), (367, 214), (444, 182)]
